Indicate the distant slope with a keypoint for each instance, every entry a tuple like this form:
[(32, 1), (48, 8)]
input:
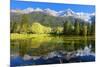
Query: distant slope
[(50, 17)]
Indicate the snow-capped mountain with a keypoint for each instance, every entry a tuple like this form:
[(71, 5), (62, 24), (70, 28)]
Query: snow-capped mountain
[(27, 10), (67, 12), (63, 13), (50, 12)]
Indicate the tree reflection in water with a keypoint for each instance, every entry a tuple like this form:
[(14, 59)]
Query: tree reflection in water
[(52, 50)]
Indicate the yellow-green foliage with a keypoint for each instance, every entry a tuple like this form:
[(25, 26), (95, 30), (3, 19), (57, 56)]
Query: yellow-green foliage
[(19, 36), (42, 37), (59, 29), (37, 28), (46, 29), (15, 36)]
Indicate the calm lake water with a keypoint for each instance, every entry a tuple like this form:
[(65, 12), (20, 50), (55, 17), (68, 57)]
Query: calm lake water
[(52, 50)]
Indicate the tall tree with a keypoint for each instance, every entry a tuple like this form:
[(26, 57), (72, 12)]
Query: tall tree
[(77, 27), (85, 30), (24, 25), (88, 28), (93, 25), (67, 27), (14, 27)]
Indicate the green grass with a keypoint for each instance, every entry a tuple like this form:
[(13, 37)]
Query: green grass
[(26, 36), (15, 36)]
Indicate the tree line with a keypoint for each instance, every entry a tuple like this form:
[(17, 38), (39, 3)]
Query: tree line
[(68, 28)]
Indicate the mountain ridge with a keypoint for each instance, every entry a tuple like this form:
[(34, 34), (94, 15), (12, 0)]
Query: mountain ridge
[(52, 17), (63, 13)]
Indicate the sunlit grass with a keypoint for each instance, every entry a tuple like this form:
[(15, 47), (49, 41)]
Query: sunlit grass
[(15, 36), (26, 36)]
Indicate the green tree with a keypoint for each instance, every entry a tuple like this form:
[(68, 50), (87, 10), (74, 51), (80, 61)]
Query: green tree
[(24, 25), (93, 28), (67, 27), (14, 27), (57, 30), (77, 27), (85, 30), (88, 28), (93, 25), (46, 30)]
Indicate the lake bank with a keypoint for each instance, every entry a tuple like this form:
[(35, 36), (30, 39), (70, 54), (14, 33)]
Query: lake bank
[(15, 36)]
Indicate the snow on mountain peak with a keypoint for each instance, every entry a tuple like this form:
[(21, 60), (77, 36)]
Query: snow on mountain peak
[(83, 16), (51, 12), (38, 9), (28, 10), (67, 12), (64, 13)]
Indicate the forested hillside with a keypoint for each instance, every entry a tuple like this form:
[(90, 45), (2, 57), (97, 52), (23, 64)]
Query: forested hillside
[(44, 23)]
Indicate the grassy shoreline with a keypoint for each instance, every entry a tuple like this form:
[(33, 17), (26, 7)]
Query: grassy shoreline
[(15, 36)]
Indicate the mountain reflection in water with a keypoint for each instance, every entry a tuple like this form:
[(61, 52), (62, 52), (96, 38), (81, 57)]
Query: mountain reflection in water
[(84, 55), (52, 51)]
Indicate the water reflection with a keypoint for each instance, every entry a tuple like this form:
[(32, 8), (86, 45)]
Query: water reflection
[(51, 50)]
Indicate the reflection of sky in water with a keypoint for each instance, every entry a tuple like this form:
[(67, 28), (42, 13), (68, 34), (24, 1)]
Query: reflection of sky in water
[(80, 52), (51, 51), (85, 55), (85, 51)]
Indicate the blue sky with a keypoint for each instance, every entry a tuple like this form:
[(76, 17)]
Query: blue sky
[(54, 6)]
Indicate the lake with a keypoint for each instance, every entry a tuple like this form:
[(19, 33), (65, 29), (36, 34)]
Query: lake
[(52, 50)]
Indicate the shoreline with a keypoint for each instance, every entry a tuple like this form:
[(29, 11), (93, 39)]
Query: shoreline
[(14, 36)]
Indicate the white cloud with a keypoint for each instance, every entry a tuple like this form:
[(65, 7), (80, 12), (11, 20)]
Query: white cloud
[(85, 2)]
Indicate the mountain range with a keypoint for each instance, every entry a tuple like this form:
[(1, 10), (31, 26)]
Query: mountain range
[(49, 16)]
